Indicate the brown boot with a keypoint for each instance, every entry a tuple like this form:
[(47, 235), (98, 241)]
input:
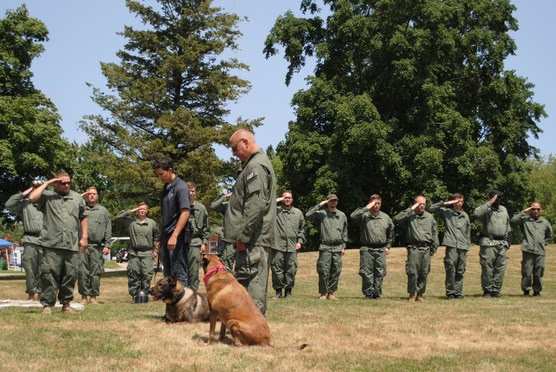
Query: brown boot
[(37, 296), (420, 297), (46, 310), (84, 299), (31, 297), (66, 308), (93, 300), (322, 296), (332, 297), (412, 297)]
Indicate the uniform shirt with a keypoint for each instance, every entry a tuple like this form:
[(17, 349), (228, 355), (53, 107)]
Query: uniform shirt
[(333, 226), (61, 219), (374, 231), (173, 198), (420, 229), (142, 234), (495, 224), (290, 229), (198, 218), (251, 212), (99, 225), (458, 226), (537, 233), (29, 214)]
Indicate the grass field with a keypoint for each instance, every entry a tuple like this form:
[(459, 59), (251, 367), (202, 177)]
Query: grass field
[(513, 333)]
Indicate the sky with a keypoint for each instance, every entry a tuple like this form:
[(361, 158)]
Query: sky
[(83, 33)]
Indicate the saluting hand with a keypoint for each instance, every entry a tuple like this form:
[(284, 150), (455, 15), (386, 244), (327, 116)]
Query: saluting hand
[(27, 192), (450, 202), (414, 206), (371, 204), (278, 200), (493, 199), (323, 202)]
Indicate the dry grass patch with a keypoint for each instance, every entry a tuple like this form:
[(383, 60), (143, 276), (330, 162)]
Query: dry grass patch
[(512, 333)]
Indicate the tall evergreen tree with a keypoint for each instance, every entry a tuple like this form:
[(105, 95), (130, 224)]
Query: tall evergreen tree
[(31, 143), (168, 94), (407, 97)]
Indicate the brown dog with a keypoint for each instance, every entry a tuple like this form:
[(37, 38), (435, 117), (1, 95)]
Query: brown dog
[(230, 303), (182, 304)]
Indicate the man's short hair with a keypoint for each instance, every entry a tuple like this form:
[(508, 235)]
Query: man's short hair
[(92, 187), (375, 197), (61, 173), (142, 203), (191, 185), (287, 191), (457, 195), (163, 163)]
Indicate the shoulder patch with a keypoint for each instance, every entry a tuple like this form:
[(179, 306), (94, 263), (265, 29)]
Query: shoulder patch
[(250, 176)]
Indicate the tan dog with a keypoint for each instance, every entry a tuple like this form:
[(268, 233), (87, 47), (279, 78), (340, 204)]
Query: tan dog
[(230, 303), (182, 304)]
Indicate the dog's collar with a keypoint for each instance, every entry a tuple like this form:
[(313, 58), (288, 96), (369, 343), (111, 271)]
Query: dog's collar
[(180, 296), (211, 272)]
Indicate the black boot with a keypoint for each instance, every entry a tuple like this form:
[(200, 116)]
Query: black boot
[(279, 293), (289, 293)]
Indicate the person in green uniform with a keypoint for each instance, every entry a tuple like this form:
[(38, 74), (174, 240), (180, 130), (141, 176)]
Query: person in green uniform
[(376, 235), (228, 254), (422, 242), (31, 217), (333, 227), (290, 236), (457, 239), (537, 234), (143, 237), (64, 221), (92, 263), (251, 216), (200, 232), (495, 240)]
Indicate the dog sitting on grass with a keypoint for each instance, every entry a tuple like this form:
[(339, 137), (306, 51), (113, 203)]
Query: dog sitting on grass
[(230, 303), (182, 304)]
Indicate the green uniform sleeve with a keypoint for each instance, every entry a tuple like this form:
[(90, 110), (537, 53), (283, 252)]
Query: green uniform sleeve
[(107, 230), (437, 208), (219, 205), (301, 234), (345, 237), (125, 217), (519, 218), (357, 215), (205, 228), (403, 215), (312, 214), (548, 234), (390, 233), (481, 210), (436, 242), (14, 204)]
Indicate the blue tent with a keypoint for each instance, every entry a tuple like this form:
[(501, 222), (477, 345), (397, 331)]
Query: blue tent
[(5, 243)]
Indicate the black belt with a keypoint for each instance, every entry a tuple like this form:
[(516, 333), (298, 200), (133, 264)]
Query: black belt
[(37, 234), (94, 243), (493, 237), (419, 245), (375, 245), (141, 249), (331, 242)]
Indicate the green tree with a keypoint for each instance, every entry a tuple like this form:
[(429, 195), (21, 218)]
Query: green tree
[(407, 97), (543, 183), (168, 96), (31, 143)]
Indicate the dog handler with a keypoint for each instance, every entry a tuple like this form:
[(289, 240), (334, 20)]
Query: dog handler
[(251, 216), (143, 236)]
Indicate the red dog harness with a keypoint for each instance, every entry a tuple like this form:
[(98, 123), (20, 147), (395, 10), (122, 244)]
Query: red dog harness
[(212, 272)]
